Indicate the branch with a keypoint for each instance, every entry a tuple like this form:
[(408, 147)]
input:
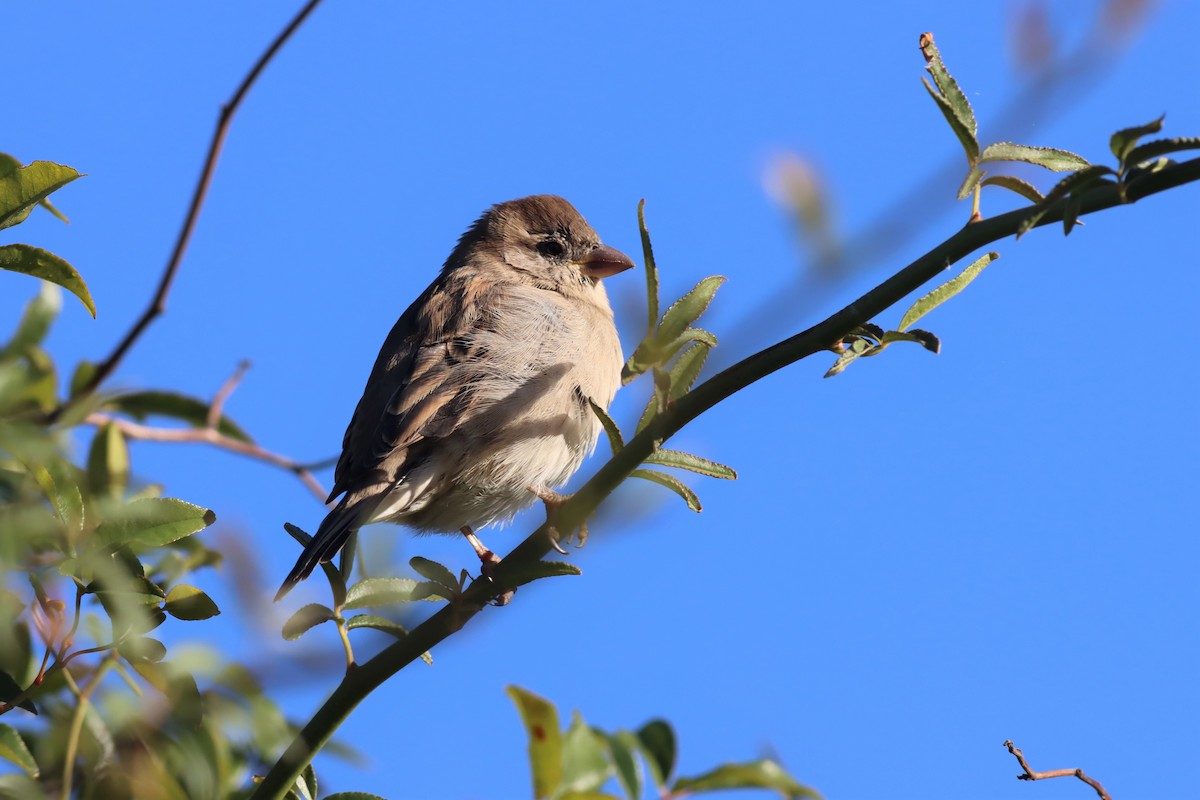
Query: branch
[(361, 681), (146, 433), (158, 304), (1030, 775)]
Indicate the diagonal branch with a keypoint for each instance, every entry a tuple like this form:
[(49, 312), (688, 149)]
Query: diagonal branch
[(360, 682), (158, 304), (1032, 775)]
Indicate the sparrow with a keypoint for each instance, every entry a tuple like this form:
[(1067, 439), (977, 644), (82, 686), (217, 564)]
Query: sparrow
[(478, 402)]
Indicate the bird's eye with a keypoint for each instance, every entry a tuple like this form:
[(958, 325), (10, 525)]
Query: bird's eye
[(551, 248)]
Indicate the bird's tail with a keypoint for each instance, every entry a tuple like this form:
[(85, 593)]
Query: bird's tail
[(334, 531)]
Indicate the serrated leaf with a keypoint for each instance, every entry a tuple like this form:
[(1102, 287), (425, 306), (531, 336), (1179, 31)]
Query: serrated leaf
[(306, 618), (951, 99), (108, 462), (974, 176), (1050, 158), (371, 592), (686, 310), (924, 338), (24, 187), (656, 739), (843, 361), (1071, 213), (763, 774), (686, 370), (377, 624), (947, 290), (14, 749), (540, 719), (1160, 147), (536, 570), (671, 482), (152, 522), (433, 571), (615, 441), (1023, 188), (1126, 139), (174, 405), (29, 260), (965, 137), (651, 268), (585, 761), (19, 786), (694, 463), (430, 591), (306, 783), (189, 603), (298, 533), (38, 316), (1075, 182)]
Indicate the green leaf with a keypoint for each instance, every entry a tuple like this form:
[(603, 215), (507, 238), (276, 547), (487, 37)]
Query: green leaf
[(656, 739), (685, 370), (651, 269), (29, 260), (621, 748), (584, 755), (142, 648), (681, 460), (306, 783), (1023, 188), (384, 625), (1049, 157), (671, 482), (354, 796), (24, 187), (536, 570), (763, 774), (433, 571), (371, 592), (39, 315), (1125, 140), (433, 592), (1071, 213), (19, 786), (108, 462), (189, 603), (307, 617), (923, 338), (10, 689), (615, 440), (179, 688), (81, 377), (1160, 147), (14, 749), (46, 204), (947, 290), (540, 718), (951, 99), (974, 176), (153, 522), (141, 405), (686, 310), (1075, 182)]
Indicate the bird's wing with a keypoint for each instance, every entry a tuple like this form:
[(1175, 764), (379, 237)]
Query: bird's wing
[(416, 379)]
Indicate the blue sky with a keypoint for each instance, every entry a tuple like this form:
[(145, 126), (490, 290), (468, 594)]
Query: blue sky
[(921, 557)]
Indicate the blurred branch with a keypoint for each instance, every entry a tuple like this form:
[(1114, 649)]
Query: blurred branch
[(365, 678), (158, 303), (1031, 775), (209, 435)]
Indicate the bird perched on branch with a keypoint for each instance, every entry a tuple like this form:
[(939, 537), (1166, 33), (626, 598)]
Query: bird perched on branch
[(479, 400)]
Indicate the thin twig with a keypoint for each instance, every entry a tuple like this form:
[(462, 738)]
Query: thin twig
[(1032, 775), (77, 725), (218, 402), (159, 302), (214, 437)]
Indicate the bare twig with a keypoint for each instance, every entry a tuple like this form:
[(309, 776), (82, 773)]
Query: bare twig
[(159, 302), (215, 438), (1031, 775), (218, 401)]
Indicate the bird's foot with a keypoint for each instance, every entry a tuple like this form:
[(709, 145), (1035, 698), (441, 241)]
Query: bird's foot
[(487, 565), (553, 501)]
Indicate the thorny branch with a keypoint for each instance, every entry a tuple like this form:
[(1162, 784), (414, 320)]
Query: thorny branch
[(1032, 775)]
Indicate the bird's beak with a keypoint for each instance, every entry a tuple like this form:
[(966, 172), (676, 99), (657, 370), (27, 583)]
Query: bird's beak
[(604, 262)]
